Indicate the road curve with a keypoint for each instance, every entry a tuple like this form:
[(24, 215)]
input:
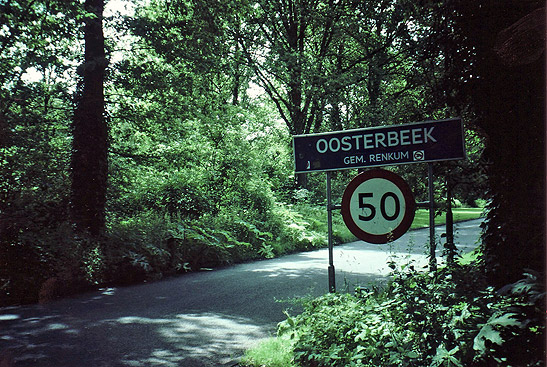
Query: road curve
[(201, 319)]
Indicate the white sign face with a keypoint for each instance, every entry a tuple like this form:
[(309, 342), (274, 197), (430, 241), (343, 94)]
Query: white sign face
[(378, 206)]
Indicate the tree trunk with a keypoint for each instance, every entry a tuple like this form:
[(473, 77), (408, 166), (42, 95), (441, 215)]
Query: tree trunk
[(90, 131), (510, 98)]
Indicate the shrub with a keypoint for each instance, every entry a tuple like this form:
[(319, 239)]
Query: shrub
[(448, 318)]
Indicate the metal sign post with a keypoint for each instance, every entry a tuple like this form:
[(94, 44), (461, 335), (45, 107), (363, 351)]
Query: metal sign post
[(430, 205), (330, 207), (432, 244)]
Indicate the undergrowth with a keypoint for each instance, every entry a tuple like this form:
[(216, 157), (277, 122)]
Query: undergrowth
[(148, 246), (448, 318)]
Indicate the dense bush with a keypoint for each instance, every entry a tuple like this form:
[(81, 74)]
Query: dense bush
[(146, 246), (149, 246), (449, 318)]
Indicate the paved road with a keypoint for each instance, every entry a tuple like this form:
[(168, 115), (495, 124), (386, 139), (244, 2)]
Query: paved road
[(196, 320)]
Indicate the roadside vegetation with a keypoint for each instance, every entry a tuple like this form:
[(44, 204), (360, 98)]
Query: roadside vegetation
[(447, 318)]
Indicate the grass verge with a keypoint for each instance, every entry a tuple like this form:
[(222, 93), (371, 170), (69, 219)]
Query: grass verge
[(421, 220)]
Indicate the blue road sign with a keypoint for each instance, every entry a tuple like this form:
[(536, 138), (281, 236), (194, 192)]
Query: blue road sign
[(428, 141)]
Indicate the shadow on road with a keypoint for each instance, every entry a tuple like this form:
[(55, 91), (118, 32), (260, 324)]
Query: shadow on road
[(197, 320)]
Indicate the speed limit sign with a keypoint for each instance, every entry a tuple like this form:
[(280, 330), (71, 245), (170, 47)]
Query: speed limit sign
[(378, 206)]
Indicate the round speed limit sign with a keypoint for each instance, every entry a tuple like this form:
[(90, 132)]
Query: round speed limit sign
[(378, 206)]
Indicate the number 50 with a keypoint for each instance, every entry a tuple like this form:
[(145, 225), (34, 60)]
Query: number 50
[(364, 205)]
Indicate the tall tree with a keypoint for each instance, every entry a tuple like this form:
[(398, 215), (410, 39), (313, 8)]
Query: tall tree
[(288, 44), (505, 75), (90, 130)]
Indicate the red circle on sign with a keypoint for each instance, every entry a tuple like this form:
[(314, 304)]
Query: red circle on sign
[(393, 180)]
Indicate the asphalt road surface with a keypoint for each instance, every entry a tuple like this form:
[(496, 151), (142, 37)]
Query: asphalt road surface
[(200, 319)]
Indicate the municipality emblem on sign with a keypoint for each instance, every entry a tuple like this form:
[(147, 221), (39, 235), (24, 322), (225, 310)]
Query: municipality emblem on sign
[(418, 155)]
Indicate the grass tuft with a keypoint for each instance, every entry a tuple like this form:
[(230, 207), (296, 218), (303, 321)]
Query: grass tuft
[(272, 352)]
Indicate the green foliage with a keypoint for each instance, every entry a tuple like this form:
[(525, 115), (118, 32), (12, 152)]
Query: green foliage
[(61, 263), (514, 334), (449, 318), (36, 51)]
